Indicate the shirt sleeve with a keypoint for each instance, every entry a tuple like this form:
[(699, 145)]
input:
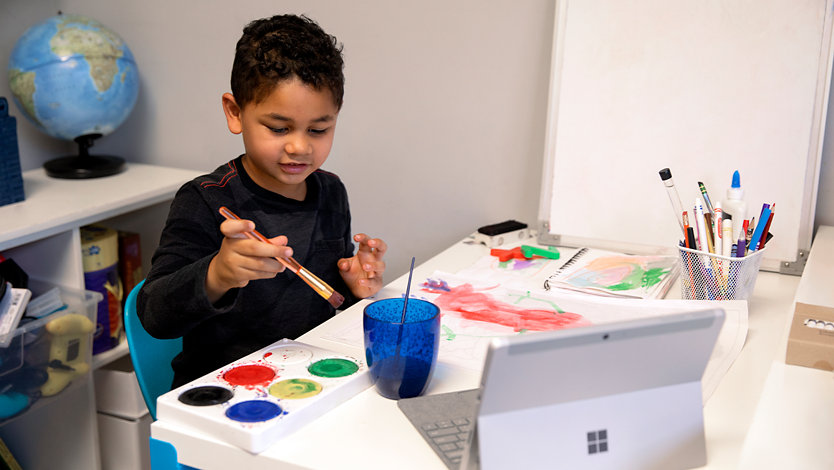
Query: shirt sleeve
[(173, 299)]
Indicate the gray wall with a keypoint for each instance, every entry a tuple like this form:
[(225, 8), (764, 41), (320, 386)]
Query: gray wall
[(443, 125)]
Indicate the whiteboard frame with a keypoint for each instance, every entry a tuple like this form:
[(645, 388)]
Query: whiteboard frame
[(809, 198)]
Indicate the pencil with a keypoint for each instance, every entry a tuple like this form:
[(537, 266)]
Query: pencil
[(317, 284)]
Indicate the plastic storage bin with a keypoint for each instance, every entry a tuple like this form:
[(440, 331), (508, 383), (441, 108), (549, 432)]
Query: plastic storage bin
[(705, 276), (48, 354)]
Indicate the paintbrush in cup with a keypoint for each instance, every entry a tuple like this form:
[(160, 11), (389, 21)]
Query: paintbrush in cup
[(407, 290), (317, 284)]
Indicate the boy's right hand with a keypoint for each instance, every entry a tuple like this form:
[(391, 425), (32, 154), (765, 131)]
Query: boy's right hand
[(242, 259)]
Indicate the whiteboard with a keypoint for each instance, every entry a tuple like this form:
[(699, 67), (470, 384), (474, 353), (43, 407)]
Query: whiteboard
[(703, 87)]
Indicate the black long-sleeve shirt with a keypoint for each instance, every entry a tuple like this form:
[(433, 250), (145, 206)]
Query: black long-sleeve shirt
[(173, 302)]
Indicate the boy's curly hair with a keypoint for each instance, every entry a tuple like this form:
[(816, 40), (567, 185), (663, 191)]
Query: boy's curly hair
[(280, 48)]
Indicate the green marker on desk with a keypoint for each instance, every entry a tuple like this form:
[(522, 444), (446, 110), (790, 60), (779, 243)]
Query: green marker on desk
[(550, 253)]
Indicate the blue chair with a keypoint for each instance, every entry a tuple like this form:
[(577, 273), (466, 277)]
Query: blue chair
[(151, 359)]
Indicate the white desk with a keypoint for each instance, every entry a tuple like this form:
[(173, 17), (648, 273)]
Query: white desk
[(370, 432)]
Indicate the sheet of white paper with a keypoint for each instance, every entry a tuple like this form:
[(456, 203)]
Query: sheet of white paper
[(476, 310)]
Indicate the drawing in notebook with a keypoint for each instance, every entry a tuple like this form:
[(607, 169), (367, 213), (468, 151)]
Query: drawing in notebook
[(613, 274)]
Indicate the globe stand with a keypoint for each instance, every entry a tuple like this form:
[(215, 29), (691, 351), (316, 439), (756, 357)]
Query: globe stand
[(84, 165)]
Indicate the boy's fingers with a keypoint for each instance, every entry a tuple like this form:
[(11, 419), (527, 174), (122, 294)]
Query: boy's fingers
[(280, 240), (372, 245), (236, 228), (379, 246)]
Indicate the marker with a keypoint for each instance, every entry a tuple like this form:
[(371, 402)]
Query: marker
[(740, 251), (672, 192), (700, 223), (706, 196), (766, 236), (727, 237), (690, 237), (757, 234)]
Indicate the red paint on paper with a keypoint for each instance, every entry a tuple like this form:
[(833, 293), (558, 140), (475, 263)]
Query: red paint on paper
[(480, 306)]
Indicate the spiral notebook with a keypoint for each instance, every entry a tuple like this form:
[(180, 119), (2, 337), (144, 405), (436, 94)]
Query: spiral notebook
[(613, 274)]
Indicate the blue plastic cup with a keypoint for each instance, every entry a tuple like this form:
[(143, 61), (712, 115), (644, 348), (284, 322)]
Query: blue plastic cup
[(401, 356)]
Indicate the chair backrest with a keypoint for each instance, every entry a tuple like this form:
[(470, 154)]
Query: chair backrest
[(151, 357)]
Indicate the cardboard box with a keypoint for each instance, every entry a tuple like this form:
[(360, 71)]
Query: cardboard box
[(811, 341), (811, 338), (117, 390)]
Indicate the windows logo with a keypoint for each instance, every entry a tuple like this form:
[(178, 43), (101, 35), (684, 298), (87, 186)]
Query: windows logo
[(597, 441)]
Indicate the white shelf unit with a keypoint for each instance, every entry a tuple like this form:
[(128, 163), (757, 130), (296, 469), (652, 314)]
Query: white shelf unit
[(42, 235)]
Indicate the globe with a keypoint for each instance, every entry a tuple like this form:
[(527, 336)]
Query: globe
[(74, 79)]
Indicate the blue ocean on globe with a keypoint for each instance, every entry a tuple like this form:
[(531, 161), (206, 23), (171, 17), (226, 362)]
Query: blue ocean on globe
[(72, 76)]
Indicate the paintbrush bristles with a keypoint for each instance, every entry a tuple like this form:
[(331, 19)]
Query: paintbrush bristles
[(336, 299)]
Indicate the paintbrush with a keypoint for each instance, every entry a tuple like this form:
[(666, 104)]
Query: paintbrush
[(317, 284), (407, 289)]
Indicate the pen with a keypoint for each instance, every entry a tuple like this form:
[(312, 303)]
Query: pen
[(317, 284), (686, 228)]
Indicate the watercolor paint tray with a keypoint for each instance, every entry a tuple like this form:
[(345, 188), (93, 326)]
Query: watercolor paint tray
[(264, 396)]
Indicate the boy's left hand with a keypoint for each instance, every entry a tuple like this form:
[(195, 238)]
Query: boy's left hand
[(363, 271)]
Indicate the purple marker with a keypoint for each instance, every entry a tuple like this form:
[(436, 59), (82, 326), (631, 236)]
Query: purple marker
[(742, 247)]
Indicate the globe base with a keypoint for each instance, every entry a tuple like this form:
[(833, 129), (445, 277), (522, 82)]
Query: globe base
[(83, 167)]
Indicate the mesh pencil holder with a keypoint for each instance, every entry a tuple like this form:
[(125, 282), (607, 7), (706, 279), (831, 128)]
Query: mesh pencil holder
[(705, 276)]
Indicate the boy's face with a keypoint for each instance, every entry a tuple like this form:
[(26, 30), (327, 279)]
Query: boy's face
[(287, 136)]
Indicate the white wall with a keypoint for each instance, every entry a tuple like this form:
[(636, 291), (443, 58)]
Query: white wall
[(443, 124)]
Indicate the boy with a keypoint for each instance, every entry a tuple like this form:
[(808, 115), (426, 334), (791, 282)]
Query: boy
[(223, 293)]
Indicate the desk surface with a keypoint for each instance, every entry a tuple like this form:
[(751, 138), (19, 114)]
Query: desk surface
[(370, 432)]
